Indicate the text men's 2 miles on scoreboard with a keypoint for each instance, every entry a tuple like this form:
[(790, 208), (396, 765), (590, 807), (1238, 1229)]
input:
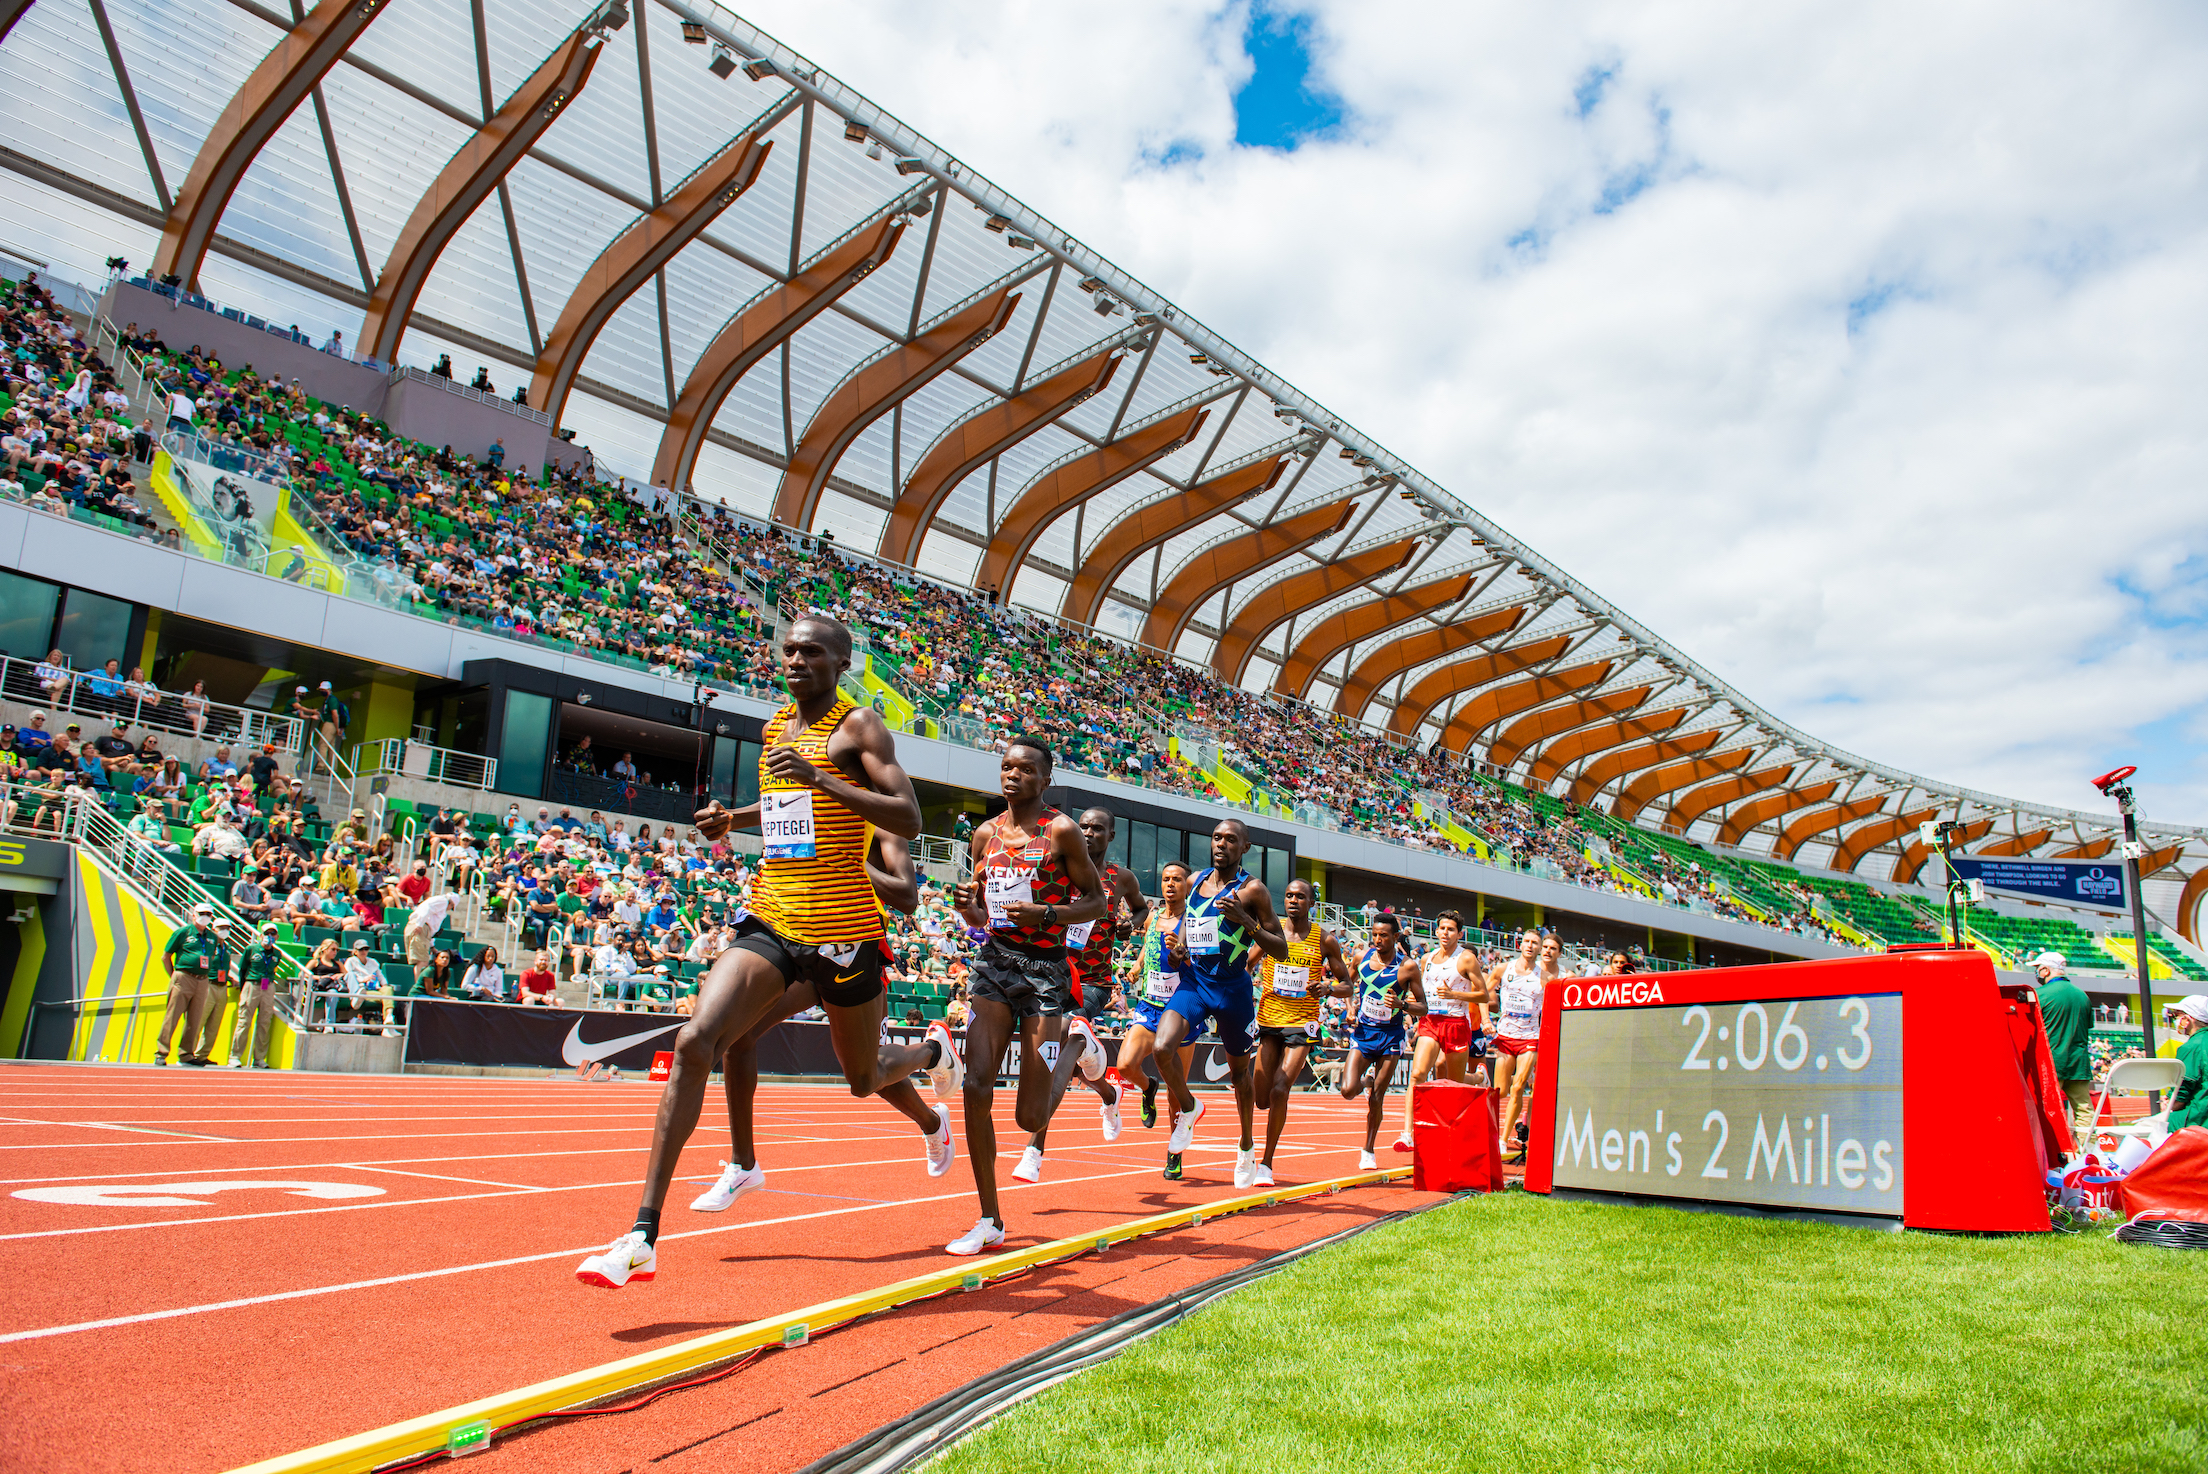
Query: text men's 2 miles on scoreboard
[(1896, 1087), (1793, 1103)]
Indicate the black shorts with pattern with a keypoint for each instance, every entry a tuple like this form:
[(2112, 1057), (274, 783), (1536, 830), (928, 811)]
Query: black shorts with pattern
[(844, 976), (1030, 984)]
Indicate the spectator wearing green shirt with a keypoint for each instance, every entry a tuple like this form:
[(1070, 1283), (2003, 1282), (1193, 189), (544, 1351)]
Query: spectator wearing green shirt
[(2068, 1016), (194, 954), (150, 824), (2188, 1018)]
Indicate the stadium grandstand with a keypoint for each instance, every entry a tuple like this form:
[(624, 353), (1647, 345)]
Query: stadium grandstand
[(421, 423)]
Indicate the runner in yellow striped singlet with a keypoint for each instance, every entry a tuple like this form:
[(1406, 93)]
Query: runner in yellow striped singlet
[(828, 777), (1288, 1010)]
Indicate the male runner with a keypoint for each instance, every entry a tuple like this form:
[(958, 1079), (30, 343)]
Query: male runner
[(1514, 997), (1288, 1009), (1032, 877), (896, 884), (1386, 988), (1456, 1001), (1090, 944), (1160, 979), (1229, 921), (828, 777)]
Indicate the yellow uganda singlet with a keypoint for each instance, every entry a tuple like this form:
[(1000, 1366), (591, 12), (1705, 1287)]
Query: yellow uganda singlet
[(811, 886), (1284, 999)]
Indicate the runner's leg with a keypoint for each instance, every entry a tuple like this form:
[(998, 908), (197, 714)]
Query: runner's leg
[(1353, 1073), (1172, 1063), (1279, 1077), (1038, 1089), (1516, 1070), (1422, 1070), (1245, 1097), (1382, 1072), (988, 1030), (741, 987)]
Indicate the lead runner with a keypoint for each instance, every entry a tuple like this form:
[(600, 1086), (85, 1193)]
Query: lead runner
[(828, 777)]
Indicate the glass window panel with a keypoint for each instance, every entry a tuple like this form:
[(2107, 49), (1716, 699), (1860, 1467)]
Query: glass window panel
[(523, 741), (1144, 848), (747, 773), (26, 616), (94, 630), (1116, 852)]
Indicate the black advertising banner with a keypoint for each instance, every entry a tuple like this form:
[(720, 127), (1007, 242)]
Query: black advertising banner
[(449, 1032)]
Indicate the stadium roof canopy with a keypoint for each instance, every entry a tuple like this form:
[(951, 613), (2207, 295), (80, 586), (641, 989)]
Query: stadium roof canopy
[(729, 271)]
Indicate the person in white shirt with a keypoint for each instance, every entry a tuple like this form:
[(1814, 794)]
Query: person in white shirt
[(362, 978), (625, 909), (423, 924), (181, 411), (485, 979)]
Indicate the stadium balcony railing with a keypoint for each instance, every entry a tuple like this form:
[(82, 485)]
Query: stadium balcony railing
[(63, 693)]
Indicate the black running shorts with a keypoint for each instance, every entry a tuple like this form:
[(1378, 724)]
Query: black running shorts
[(1289, 1036), (843, 976), (1028, 985)]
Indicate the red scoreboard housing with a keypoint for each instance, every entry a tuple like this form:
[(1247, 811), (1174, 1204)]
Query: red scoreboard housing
[(1936, 1072)]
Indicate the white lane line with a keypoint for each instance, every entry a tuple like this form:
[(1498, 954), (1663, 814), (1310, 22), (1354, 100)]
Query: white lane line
[(424, 1274), (519, 1187), (61, 1233)]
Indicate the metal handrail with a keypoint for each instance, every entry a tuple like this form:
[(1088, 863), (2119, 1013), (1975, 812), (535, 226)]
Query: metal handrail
[(405, 757), (62, 692)]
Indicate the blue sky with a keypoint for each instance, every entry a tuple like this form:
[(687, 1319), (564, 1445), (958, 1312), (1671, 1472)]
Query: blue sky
[(1280, 106)]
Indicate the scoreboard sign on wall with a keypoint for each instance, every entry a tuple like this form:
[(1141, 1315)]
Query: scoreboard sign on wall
[(1897, 1087)]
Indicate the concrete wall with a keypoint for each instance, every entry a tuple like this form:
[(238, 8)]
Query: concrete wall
[(325, 375), (440, 412)]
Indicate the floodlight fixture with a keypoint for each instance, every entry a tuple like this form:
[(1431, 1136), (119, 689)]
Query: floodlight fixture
[(854, 131), (1106, 305), (1199, 358), (1019, 242), (614, 16), (693, 33), (912, 166), (759, 68), (922, 207), (723, 64), (873, 150), (997, 224), (1091, 283)]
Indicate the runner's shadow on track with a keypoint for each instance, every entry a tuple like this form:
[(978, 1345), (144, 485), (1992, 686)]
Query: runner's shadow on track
[(672, 1328), (899, 1257)]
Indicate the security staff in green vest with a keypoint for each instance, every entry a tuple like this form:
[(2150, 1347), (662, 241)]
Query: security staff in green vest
[(256, 974), (222, 995), (2068, 1016), (194, 954)]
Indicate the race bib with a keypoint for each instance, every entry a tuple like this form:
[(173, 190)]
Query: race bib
[(1159, 987), (1201, 935), (1376, 1009), (1443, 975), (786, 819), (1291, 982), (1077, 934), (1002, 891)]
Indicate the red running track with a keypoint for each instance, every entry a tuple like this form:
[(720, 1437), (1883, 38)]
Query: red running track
[(383, 1247)]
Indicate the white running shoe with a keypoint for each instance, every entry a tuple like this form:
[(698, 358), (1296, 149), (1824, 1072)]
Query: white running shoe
[(941, 1151), (1367, 1162), (983, 1235), (1092, 1053), (629, 1257), (1264, 1175), (237, 1064), (1108, 1111), (1184, 1130), (1245, 1167), (948, 1073), (735, 1182), (1030, 1168), (1403, 1142)]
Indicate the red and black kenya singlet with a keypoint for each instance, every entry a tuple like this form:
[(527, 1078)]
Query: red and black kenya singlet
[(1005, 870)]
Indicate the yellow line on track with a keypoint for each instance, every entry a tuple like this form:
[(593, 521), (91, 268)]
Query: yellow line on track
[(436, 1431)]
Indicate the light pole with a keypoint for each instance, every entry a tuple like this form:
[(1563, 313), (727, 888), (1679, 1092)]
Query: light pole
[(2114, 786)]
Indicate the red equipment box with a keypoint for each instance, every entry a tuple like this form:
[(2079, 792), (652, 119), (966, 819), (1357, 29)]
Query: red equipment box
[(1914, 1087), (1456, 1140)]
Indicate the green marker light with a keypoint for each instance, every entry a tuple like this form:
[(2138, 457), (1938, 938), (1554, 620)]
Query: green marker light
[(467, 1438)]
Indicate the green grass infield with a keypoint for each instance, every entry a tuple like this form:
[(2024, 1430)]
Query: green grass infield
[(1515, 1333)]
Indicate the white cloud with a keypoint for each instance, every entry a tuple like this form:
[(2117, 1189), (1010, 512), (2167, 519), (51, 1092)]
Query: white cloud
[(1929, 529)]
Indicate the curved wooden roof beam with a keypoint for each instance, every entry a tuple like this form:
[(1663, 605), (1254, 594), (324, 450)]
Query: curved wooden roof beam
[(2092, 849), (1215, 567), (1497, 703), (874, 389), (464, 183), (1409, 652), (1911, 863), (2016, 844), (1277, 603), (1342, 629), (1611, 766), (1469, 674), (1158, 522), (1691, 806), (762, 325), (1072, 481), (1821, 821), (1864, 838), (2160, 859), (634, 258), (980, 438), (1760, 811), (1671, 777), (1573, 746), (2188, 905), (293, 68), (1550, 720)]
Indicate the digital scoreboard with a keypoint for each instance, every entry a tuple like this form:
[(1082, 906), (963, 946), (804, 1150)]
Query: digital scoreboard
[(1897, 1087)]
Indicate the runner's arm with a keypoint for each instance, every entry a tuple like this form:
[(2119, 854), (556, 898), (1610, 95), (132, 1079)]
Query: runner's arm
[(966, 896), (1407, 980), (1330, 952), (889, 866), (1138, 904), (888, 803), (1255, 904)]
